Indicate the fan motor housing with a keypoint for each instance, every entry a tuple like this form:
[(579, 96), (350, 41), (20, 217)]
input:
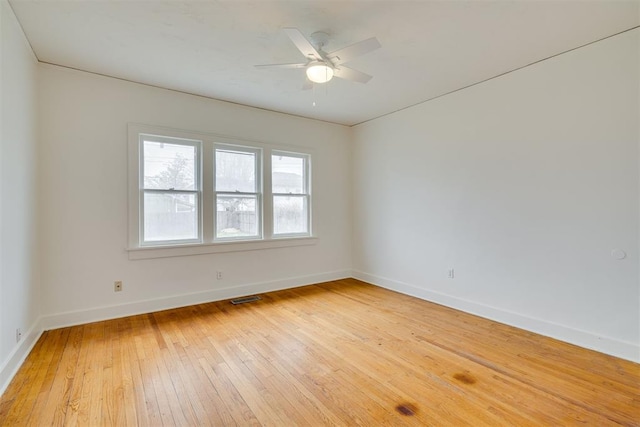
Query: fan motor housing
[(319, 39)]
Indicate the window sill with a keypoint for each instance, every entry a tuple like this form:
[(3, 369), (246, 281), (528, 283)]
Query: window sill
[(213, 248)]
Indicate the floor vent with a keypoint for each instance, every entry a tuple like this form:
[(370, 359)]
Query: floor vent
[(245, 299)]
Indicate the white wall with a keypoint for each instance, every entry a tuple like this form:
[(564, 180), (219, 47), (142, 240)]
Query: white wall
[(523, 184), (18, 209), (84, 200)]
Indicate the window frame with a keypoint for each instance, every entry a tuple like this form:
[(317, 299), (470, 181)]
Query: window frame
[(207, 207), (306, 195), (195, 143), (259, 193)]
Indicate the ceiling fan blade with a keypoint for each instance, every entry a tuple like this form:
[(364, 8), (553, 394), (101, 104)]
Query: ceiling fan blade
[(351, 74), (348, 53), (297, 65), (302, 43)]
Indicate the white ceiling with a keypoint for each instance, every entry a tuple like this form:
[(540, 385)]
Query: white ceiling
[(208, 48)]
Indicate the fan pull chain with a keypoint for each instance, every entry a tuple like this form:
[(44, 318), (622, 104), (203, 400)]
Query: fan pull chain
[(313, 88)]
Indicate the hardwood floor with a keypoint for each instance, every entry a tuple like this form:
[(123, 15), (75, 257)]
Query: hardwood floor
[(337, 353)]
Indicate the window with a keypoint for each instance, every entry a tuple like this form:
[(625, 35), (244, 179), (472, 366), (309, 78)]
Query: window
[(238, 193), (170, 190), (290, 189), (194, 193)]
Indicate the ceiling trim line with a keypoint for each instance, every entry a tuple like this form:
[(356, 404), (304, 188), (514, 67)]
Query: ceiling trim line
[(496, 76), (80, 70), (24, 34)]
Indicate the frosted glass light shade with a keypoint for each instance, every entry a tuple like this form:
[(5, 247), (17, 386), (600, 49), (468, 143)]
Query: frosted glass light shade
[(319, 73)]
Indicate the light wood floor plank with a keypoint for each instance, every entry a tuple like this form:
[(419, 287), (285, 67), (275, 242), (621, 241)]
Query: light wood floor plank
[(338, 353), (450, 363), (24, 390)]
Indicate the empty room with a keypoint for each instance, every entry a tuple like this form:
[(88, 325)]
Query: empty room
[(309, 213)]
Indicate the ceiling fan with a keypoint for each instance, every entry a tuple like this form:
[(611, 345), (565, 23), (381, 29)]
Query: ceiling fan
[(322, 66)]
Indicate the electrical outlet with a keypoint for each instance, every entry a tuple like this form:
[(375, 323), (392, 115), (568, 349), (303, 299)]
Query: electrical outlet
[(219, 275), (18, 335), (117, 286), (450, 273)]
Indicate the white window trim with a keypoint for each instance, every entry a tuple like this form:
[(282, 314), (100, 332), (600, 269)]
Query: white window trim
[(259, 193), (306, 195), (207, 210), (214, 248), (197, 144)]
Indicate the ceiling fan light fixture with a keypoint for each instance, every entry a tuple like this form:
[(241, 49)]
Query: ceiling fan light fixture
[(319, 72)]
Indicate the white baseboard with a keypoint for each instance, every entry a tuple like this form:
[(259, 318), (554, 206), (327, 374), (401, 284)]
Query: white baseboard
[(96, 314), (61, 320), (16, 358), (607, 345), (588, 340)]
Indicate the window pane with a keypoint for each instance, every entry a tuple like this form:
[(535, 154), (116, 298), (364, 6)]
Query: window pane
[(170, 216), (169, 166), (235, 171), (288, 174), (290, 215), (236, 216)]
